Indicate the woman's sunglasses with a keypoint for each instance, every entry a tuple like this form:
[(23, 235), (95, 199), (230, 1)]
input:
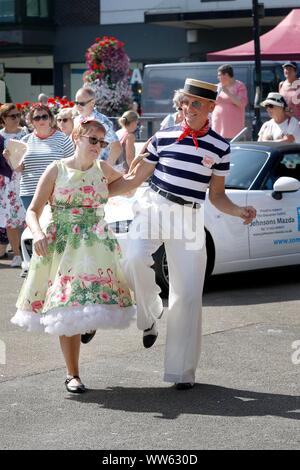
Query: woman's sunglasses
[(63, 119), (43, 117), (270, 106), (95, 141), (14, 116)]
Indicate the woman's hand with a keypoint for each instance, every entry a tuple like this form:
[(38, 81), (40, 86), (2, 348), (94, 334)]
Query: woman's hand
[(20, 168), (6, 154), (40, 243)]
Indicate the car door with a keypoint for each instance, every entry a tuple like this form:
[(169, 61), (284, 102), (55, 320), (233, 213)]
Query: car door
[(276, 229)]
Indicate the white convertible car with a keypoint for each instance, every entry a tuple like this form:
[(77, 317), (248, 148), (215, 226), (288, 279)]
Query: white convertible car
[(264, 175)]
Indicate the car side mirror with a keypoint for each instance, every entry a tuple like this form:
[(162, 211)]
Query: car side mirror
[(285, 184)]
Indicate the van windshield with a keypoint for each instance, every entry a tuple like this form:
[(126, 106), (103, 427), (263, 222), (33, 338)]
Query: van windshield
[(161, 82)]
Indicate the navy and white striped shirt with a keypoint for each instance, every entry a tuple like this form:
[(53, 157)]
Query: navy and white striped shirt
[(40, 153), (181, 168)]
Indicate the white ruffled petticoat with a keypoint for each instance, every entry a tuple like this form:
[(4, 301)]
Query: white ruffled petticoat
[(76, 320)]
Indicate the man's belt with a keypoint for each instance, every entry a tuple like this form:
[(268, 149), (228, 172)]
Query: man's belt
[(173, 198)]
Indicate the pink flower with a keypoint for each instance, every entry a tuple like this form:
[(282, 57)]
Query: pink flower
[(87, 202), (88, 189), (64, 191), (65, 279), (37, 305), (104, 296), (75, 211), (76, 229), (97, 228), (63, 297)]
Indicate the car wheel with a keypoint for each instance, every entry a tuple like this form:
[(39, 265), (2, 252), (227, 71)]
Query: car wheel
[(161, 264)]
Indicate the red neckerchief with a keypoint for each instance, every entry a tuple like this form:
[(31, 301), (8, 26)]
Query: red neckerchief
[(194, 134)]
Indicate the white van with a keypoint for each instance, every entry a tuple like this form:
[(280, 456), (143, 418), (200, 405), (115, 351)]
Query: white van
[(160, 81)]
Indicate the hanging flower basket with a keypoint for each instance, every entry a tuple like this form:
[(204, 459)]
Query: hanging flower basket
[(108, 73)]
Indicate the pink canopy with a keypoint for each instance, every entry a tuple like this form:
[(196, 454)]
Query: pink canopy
[(281, 43)]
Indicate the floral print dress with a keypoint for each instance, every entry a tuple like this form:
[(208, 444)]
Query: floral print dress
[(12, 212), (79, 285)]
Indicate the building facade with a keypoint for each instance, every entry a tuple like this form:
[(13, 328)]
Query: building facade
[(43, 42)]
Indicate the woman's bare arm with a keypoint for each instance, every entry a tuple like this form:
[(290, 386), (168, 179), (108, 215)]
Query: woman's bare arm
[(42, 194), (129, 148), (121, 184)]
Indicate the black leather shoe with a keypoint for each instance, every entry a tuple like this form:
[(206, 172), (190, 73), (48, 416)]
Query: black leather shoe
[(74, 388), (184, 385), (87, 337), (150, 336)]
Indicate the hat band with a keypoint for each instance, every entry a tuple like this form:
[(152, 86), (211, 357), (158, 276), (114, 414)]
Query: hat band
[(277, 100), (201, 92)]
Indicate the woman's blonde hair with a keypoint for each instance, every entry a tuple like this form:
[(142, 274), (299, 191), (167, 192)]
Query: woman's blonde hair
[(127, 118), (65, 113)]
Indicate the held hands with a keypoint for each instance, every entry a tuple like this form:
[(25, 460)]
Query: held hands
[(137, 160), (247, 213), (40, 243), (225, 89)]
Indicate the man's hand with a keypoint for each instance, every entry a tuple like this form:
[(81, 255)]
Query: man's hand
[(137, 160), (247, 213)]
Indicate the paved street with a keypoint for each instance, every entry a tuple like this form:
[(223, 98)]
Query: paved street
[(247, 392)]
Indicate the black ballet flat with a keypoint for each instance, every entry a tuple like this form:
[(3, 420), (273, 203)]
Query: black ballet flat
[(74, 388), (184, 385), (87, 337)]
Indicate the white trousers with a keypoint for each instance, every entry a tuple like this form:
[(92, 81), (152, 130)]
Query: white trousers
[(186, 277)]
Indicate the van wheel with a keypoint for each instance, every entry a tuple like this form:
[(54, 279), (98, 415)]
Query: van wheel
[(161, 264)]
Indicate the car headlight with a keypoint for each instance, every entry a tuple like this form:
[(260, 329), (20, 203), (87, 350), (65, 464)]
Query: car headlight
[(121, 226)]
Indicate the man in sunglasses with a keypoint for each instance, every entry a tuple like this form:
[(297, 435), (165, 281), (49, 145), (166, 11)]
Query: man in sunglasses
[(184, 162), (85, 105)]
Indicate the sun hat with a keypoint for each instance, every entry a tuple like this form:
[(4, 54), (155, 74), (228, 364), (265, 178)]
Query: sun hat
[(276, 99), (199, 89)]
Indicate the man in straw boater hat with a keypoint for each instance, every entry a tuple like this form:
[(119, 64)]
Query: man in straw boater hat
[(183, 162)]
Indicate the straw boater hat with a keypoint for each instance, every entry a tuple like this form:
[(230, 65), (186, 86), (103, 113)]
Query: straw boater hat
[(199, 89), (276, 99)]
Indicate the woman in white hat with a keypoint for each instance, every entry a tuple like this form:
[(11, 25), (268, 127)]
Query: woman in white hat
[(281, 127)]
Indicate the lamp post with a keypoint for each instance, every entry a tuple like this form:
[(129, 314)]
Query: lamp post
[(256, 14)]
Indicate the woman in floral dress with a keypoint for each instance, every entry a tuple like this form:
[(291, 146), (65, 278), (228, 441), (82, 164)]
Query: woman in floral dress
[(12, 212), (74, 282)]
